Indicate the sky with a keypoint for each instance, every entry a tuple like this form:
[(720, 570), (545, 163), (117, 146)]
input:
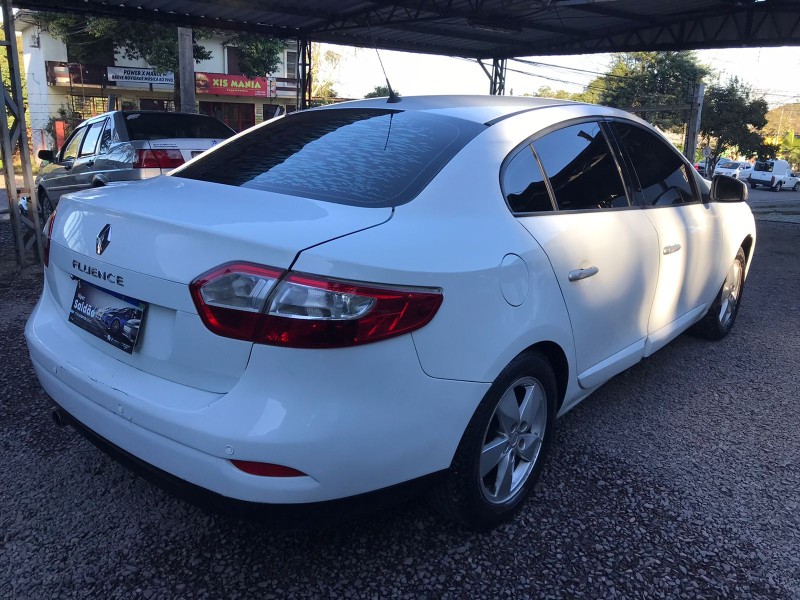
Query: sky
[(772, 72)]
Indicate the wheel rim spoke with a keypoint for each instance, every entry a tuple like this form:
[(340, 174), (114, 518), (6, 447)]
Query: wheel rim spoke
[(508, 411), (531, 404), (491, 455), (505, 476)]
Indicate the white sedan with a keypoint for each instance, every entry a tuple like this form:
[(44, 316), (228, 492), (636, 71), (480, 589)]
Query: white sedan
[(348, 299)]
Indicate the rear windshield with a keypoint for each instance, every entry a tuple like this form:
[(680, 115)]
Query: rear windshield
[(764, 166), (361, 157), (163, 126)]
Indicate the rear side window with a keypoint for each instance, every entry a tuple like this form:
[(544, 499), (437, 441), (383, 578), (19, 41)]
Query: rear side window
[(581, 168), (661, 177), (523, 184), (164, 126), (362, 157), (765, 166), (89, 145)]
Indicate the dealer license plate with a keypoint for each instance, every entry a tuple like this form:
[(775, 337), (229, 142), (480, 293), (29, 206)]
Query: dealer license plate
[(113, 317)]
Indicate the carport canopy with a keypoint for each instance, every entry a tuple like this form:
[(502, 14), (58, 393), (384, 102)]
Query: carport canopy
[(491, 29)]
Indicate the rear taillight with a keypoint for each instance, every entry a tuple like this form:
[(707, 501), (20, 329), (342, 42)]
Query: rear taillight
[(263, 305), (157, 159), (46, 241)]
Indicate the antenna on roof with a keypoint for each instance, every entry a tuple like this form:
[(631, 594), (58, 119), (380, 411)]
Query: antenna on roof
[(393, 98)]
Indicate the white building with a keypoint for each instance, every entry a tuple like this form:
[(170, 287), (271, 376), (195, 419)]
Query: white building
[(55, 82)]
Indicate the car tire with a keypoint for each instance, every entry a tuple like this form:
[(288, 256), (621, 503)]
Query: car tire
[(721, 315), (753, 184), (45, 206), (777, 187), (504, 447), (115, 326), (796, 186)]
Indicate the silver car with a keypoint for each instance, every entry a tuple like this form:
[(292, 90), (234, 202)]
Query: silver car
[(124, 146)]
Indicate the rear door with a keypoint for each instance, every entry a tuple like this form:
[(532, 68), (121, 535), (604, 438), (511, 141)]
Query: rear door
[(84, 168), (603, 250), (689, 232)]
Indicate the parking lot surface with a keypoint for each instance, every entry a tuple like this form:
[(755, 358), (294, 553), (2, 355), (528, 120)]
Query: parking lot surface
[(678, 478)]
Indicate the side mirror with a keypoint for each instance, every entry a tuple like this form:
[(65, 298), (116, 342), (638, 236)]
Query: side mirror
[(728, 189), (47, 155)]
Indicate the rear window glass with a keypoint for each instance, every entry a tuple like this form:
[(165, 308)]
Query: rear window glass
[(764, 166), (362, 157), (164, 126)]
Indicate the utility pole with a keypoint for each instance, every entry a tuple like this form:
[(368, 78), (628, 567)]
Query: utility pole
[(186, 69), (693, 130)]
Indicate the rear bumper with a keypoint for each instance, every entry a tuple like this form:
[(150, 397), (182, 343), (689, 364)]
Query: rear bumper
[(354, 420), (280, 516)]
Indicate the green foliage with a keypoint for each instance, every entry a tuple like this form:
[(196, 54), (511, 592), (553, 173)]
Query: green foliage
[(732, 118), (381, 91), (157, 43), (649, 79), (767, 150), (783, 119), (588, 95), (790, 149), (259, 55)]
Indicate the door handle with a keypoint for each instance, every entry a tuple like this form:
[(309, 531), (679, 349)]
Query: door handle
[(579, 274), (671, 248), (89, 163)]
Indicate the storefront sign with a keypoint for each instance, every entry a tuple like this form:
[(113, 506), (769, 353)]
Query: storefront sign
[(139, 75), (234, 85)]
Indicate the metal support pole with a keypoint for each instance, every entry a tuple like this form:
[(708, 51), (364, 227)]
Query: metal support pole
[(186, 69), (27, 228), (497, 87), (693, 129), (304, 72)]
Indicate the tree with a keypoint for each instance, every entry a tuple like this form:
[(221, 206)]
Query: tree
[(157, 43), (324, 68), (381, 91), (732, 118), (790, 149), (651, 79), (589, 94)]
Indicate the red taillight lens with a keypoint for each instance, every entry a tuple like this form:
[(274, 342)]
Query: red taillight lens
[(46, 241), (157, 159), (306, 311), (266, 469)]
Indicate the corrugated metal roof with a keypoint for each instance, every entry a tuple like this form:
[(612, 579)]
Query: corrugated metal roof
[(480, 28)]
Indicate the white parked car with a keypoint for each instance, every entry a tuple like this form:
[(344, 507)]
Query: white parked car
[(351, 298), (738, 169), (775, 174)]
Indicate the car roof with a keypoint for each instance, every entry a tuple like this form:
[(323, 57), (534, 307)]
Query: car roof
[(110, 113), (480, 109)]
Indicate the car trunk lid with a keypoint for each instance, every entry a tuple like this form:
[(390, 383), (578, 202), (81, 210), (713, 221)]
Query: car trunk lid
[(156, 237)]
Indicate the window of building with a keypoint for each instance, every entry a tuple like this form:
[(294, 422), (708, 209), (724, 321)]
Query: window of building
[(581, 168), (89, 145), (232, 58), (661, 177), (291, 64), (523, 184)]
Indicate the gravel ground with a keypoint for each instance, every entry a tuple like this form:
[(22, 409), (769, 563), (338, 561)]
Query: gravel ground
[(679, 478)]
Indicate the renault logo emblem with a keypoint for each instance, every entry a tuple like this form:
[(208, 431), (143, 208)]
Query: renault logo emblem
[(103, 239)]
